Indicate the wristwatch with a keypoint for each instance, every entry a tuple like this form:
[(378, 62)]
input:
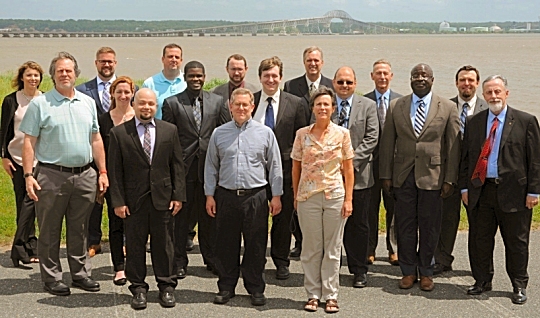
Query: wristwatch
[(29, 174)]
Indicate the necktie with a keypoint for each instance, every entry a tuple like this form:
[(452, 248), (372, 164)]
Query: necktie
[(343, 114), (106, 96), (480, 171), (147, 144), (311, 88), (197, 113), (381, 111), (463, 117), (269, 116), (419, 118)]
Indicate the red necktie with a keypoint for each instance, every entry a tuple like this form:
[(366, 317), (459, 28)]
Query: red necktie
[(479, 175)]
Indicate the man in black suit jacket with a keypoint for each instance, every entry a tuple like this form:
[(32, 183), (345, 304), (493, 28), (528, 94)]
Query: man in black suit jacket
[(196, 113), (288, 114), (468, 104), (382, 76), (508, 194), (147, 190)]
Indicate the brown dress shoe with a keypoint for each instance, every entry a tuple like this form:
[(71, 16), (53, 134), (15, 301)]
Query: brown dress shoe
[(370, 259), (426, 283), (94, 249), (392, 258), (407, 282)]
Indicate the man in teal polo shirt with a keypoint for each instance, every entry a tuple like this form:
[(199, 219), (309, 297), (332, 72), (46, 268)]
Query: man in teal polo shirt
[(170, 80), (62, 133)]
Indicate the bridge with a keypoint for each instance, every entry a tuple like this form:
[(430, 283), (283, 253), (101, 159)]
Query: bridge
[(317, 25)]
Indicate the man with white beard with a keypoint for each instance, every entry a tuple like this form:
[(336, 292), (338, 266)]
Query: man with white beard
[(500, 184)]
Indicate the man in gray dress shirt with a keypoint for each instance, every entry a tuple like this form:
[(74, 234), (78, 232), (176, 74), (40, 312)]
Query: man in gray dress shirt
[(242, 162)]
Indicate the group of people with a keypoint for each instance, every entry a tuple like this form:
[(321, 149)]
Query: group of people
[(314, 155)]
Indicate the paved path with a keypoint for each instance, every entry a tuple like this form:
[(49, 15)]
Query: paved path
[(22, 295)]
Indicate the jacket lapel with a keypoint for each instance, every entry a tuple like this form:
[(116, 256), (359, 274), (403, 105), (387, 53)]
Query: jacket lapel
[(283, 104), (433, 110), (405, 108), (355, 109), (185, 105), (507, 128), (131, 128)]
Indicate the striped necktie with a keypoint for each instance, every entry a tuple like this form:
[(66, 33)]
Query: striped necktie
[(344, 114), (463, 117), (381, 111), (419, 118), (106, 96), (147, 142)]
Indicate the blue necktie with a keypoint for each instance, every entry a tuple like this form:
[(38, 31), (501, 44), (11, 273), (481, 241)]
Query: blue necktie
[(269, 116)]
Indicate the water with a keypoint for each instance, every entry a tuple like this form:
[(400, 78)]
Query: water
[(515, 56)]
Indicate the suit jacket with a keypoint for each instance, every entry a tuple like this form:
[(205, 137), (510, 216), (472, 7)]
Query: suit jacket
[(223, 90), (90, 88), (364, 131), (291, 116), (299, 87), (434, 154), (518, 163), (177, 110), (131, 175)]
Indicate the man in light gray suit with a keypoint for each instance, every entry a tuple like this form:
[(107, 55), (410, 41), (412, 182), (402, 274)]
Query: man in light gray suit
[(236, 68), (468, 104), (359, 115)]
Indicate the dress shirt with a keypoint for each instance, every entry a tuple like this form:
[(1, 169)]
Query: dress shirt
[(233, 87), (386, 96), (260, 114), (239, 157), (350, 100), (316, 83), (100, 87), (472, 105), (493, 158), (414, 105), (140, 132)]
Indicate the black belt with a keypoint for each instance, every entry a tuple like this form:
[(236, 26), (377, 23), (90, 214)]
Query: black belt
[(493, 180), (243, 192), (65, 169)]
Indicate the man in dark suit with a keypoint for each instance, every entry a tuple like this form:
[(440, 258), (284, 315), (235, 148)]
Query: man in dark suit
[(284, 113), (196, 113), (147, 190), (359, 115), (468, 104), (419, 158), (302, 87), (500, 183), (382, 95), (98, 89), (236, 68)]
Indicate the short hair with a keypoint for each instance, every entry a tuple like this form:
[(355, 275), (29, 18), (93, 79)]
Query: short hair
[(193, 64), (17, 81), (382, 61), (353, 72), (172, 46), (236, 57), (63, 56), (321, 91), (495, 77), (468, 68), (312, 49), (104, 50), (242, 91), (120, 80), (269, 63)]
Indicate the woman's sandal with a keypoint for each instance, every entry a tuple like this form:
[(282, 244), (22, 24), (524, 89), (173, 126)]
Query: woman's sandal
[(331, 306), (311, 305)]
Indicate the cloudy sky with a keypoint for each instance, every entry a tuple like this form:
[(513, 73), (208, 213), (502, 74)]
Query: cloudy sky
[(254, 10)]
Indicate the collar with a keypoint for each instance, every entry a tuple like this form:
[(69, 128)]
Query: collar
[(192, 95), (386, 95), (244, 125), (161, 78), (501, 117), (275, 97), (426, 99), (317, 82), (233, 87), (59, 97), (99, 80), (471, 103), (138, 122), (349, 99)]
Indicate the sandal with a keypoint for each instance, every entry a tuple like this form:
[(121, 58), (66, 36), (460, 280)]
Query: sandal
[(331, 306), (311, 305)]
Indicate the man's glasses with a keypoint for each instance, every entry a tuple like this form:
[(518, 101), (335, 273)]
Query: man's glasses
[(340, 82)]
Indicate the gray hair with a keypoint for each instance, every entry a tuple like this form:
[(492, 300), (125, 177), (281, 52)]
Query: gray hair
[(62, 56), (495, 77)]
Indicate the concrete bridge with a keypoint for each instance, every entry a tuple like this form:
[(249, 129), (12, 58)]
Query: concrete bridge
[(317, 25)]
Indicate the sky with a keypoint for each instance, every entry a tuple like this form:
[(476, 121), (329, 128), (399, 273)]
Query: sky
[(252, 10)]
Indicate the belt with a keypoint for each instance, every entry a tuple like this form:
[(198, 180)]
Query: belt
[(243, 192), (65, 169), (494, 180)]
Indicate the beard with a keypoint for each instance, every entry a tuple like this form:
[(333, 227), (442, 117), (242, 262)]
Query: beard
[(496, 107)]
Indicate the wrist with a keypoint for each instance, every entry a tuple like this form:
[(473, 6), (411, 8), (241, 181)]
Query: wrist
[(28, 174), (102, 172)]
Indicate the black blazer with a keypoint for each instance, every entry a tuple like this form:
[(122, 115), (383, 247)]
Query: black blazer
[(518, 163), (291, 116), (131, 175), (7, 132), (299, 87), (177, 110)]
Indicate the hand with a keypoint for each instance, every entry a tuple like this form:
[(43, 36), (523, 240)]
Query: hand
[(346, 209), (31, 186), (211, 206), (295, 204), (465, 198), (175, 206), (531, 201), (103, 182), (121, 211), (8, 166), (275, 205), (447, 190), (387, 185)]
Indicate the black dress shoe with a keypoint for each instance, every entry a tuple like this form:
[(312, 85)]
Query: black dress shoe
[(120, 282), (295, 252), (166, 299), (282, 272), (359, 281), (138, 301), (223, 297), (258, 299), (189, 244), (438, 268), (182, 273), (87, 284), (479, 287), (519, 297), (57, 288)]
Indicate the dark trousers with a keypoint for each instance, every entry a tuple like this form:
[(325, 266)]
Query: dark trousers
[(116, 236), (236, 216), (417, 212), (280, 234), (145, 220), (355, 238), (472, 217), (515, 230), (25, 241), (94, 225), (450, 224), (373, 217)]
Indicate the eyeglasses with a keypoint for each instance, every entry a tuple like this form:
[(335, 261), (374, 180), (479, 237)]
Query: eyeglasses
[(340, 82), (103, 62), (419, 77)]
